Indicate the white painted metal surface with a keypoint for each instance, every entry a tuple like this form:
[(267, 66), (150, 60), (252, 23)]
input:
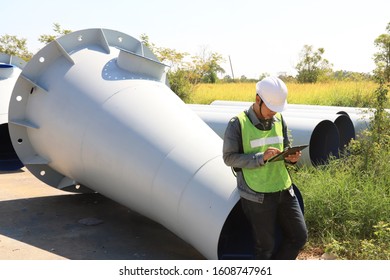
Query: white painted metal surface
[(92, 111), (10, 68)]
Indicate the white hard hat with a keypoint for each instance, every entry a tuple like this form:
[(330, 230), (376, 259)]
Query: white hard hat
[(273, 92)]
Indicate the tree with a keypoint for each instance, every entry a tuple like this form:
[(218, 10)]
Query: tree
[(382, 57), (312, 65), (183, 75), (206, 66), (264, 75), (12, 45), (227, 79), (171, 57), (59, 32), (343, 75), (243, 78), (178, 74)]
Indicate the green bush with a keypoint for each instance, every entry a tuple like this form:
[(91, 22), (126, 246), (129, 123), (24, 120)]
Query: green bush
[(347, 201), (180, 84), (376, 248)]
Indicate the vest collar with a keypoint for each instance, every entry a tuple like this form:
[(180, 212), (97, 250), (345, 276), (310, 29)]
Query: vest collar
[(259, 123)]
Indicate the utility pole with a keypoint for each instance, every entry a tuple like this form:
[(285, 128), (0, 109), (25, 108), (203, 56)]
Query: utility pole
[(231, 67)]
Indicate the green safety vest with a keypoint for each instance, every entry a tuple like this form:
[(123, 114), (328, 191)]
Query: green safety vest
[(273, 176)]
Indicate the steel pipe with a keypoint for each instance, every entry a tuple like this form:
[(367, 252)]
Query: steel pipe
[(343, 122), (345, 126), (321, 133), (360, 117), (10, 68), (91, 111)]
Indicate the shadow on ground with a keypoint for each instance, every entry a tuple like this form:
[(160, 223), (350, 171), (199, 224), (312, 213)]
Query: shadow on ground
[(54, 224)]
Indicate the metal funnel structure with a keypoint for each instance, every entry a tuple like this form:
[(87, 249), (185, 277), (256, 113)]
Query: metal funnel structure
[(10, 68), (91, 112)]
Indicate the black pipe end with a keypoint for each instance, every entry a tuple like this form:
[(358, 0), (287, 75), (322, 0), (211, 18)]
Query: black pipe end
[(9, 160), (236, 240), (324, 142), (346, 130)]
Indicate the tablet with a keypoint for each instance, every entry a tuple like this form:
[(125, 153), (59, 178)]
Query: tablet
[(287, 152)]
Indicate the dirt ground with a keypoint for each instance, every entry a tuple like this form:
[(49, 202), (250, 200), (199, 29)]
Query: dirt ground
[(42, 223)]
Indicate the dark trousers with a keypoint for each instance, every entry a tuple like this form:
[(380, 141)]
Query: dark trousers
[(278, 212)]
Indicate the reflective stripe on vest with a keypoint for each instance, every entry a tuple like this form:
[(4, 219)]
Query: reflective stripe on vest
[(273, 176)]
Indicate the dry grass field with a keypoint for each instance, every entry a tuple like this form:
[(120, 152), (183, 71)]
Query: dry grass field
[(346, 93)]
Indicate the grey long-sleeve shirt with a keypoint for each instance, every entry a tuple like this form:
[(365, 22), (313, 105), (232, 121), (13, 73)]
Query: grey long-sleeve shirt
[(234, 156)]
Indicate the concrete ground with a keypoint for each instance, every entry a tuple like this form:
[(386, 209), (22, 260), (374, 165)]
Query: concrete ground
[(42, 223)]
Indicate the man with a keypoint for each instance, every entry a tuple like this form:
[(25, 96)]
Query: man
[(267, 196)]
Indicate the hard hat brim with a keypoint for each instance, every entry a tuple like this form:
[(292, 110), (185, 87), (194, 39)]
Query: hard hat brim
[(276, 108)]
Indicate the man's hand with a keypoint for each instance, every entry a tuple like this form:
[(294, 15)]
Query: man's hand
[(270, 152), (294, 157)]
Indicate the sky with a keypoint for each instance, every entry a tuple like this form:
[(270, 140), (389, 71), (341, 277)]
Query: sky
[(258, 36)]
